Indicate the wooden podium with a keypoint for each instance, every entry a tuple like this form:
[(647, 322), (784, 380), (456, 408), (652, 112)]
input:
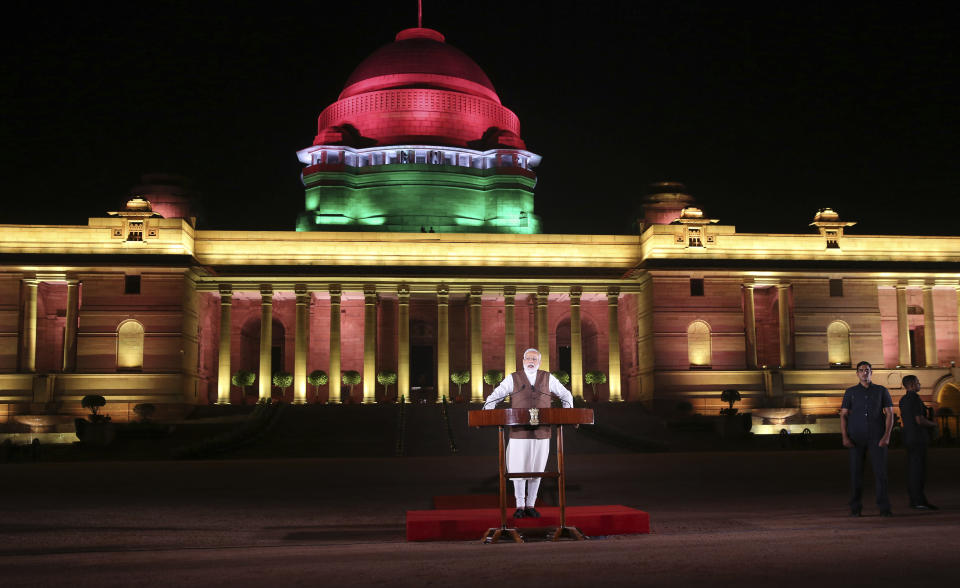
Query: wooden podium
[(513, 417)]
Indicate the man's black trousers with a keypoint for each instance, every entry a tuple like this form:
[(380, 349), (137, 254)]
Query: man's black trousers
[(878, 462)]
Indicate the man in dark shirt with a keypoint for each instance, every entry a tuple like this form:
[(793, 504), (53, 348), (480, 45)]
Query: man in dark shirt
[(866, 419), (915, 438)]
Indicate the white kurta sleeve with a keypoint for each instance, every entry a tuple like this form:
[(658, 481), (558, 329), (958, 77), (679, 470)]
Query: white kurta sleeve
[(499, 393), (558, 390)]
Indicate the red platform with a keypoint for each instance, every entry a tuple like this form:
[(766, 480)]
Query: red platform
[(466, 524)]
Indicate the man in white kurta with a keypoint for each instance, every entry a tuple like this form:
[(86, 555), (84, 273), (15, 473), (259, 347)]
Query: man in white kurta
[(529, 447)]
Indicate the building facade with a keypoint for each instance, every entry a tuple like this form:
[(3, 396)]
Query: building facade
[(419, 252)]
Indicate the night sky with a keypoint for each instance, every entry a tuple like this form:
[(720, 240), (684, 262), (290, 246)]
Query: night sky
[(767, 114)]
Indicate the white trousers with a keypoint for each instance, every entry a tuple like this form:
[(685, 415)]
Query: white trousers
[(527, 455)]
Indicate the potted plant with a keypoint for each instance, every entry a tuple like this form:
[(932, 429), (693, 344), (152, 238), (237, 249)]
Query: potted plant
[(386, 379), (96, 429), (350, 378), (460, 377), (282, 380), (316, 379), (594, 378)]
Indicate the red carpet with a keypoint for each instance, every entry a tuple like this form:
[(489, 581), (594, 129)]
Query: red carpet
[(466, 524)]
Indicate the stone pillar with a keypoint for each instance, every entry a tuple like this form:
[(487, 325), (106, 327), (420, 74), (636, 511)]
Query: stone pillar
[(476, 346), (266, 340), (369, 344), (903, 328), (786, 336), (929, 328), (301, 344), (613, 351), (750, 326), (576, 344), (646, 352), (403, 342), (443, 341), (543, 336), (333, 376), (223, 358), (70, 327), (510, 331), (957, 289), (29, 358)]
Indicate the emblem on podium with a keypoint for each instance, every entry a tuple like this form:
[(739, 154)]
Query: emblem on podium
[(534, 416)]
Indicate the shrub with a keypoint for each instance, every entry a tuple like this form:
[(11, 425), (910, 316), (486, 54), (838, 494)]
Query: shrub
[(460, 377), (316, 379), (493, 377), (351, 378), (282, 380), (562, 376), (243, 378), (94, 402), (593, 378), (386, 379)]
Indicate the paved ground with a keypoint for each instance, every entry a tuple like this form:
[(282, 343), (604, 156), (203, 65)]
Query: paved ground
[(773, 518)]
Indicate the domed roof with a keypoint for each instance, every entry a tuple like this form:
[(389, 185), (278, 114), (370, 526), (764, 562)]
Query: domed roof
[(419, 57)]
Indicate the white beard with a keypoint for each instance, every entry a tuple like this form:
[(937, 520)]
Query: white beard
[(531, 374)]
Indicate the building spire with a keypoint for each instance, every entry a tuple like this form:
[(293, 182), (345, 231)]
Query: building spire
[(419, 14)]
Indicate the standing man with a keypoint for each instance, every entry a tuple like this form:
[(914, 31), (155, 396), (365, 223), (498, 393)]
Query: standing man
[(866, 419), (529, 447), (916, 428)]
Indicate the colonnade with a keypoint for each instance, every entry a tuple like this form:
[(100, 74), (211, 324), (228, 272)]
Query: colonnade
[(786, 335), (442, 294), (28, 343)]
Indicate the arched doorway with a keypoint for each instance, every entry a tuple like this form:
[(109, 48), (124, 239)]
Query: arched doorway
[(250, 349)]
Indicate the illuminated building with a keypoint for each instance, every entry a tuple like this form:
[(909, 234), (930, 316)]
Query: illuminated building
[(142, 306)]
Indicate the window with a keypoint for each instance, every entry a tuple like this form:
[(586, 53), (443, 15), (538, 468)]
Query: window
[(131, 284), (833, 239), (698, 345), (836, 288), (130, 345), (838, 344), (693, 236), (135, 231), (696, 286)]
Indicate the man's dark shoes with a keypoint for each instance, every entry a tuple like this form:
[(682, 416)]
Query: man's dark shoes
[(886, 513), (854, 512), (519, 513), (531, 512), (924, 506)]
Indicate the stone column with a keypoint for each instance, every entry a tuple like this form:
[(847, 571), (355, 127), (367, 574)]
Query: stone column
[(576, 344), (510, 331), (750, 326), (957, 289), (333, 376), (543, 336), (443, 341), (70, 327), (223, 357), (29, 361), (929, 328), (369, 344), (403, 342), (903, 328), (786, 336), (476, 346), (266, 340), (301, 344), (613, 352)]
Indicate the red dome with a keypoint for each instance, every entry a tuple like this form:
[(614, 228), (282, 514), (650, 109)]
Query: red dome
[(419, 57), (418, 90)]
